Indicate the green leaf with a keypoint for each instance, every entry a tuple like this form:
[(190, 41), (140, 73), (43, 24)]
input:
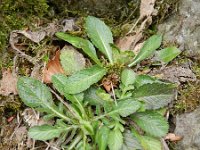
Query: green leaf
[(78, 42), (130, 142), (115, 140), (150, 143), (92, 97), (83, 79), (87, 127), (143, 79), (71, 60), (33, 93), (168, 54), (148, 49), (155, 95), (100, 35), (126, 107), (128, 77), (152, 123), (102, 137), (59, 81), (45, 132)]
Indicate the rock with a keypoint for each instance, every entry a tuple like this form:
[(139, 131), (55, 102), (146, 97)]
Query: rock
[(188, 126), (184, 28)]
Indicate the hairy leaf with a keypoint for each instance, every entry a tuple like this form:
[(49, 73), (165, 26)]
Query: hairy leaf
[(115, 140), (150, 143), (148, 49), (152, 123), (126, 107), (83, 79), (143, 79), (78, 42), (92, 97), (130, 142), (45, 132), (128, 77), (100, 35), (34, 93), (102, 137), (168, 54), (155, 95), (71, 60)]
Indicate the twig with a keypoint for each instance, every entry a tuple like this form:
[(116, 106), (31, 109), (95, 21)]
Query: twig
[(62, 101), (113, 91)]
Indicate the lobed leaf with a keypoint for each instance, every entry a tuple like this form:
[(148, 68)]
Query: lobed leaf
[(78, 42), (100, 35), (148, 49), (168, 54), (152, 123), (45, 132), (155, 95)]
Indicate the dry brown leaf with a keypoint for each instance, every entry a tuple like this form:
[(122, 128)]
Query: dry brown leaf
[(52, 67), (173, 137), (8, 83), (146, 8)]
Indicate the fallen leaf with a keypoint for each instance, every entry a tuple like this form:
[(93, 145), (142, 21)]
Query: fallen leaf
[(52, 67), (8, 83), (146, 8), (32, 118), (173, 137), (20, 133)]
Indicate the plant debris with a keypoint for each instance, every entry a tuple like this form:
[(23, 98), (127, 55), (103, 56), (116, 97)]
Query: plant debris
[(8, 83)]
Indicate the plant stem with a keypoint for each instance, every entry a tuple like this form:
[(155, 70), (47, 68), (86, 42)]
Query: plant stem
[(113, 94), (65, 103)]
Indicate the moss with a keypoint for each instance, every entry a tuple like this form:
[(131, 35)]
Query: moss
[(189, 94)]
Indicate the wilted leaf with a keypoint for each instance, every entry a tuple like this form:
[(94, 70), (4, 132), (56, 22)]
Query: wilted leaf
[(83, 79), (102, 137), (100, 35), (148, 49), (168, 54), (155, 95), (152, 123), (126, 107), (173, 137), (71, 60), (84, 44), (8, 83), (45, 132), (52, 67), (128, 77), (115, 140)]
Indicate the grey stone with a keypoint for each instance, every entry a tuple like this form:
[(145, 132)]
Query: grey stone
[(184, 28), (188, 126)]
